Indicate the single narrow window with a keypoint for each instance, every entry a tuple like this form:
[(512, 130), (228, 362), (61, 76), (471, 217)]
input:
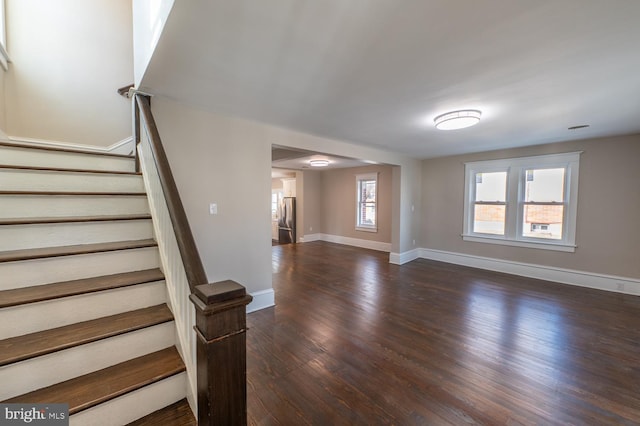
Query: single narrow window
[(490, 203), (543, 204), (367, 199)]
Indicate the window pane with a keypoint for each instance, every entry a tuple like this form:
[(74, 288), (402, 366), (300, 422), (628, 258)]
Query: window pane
[(368, 191), (489, 219), (543, 221), (544, 185), (367, 214), (491, 186)]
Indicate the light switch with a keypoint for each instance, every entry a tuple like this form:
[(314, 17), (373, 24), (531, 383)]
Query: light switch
[(213, 208)]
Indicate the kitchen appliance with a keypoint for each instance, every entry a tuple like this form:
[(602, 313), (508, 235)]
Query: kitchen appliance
[(287, 220)]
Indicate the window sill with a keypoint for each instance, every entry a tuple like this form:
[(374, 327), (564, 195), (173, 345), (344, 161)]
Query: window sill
[(359, 228), (518, 243)]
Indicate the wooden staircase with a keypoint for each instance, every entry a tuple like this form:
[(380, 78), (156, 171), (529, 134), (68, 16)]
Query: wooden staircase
[(83, 308)]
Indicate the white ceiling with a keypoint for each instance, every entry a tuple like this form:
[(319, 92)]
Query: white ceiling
[(376, 72), (298, 159)]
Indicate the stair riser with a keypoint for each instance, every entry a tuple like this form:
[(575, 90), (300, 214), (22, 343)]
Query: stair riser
[(34, 317), (66, 268), (46, 370), (18, 237), (34, 180), (25, 206), (134, 405), (44, 158)]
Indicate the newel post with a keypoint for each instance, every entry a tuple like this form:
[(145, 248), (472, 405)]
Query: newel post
[(222, 353)]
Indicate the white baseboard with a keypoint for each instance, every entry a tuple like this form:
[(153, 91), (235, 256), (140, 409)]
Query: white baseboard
[(124, 146), (356, 242), (261, 300), (549, 273), (404, 257), (311, 237)]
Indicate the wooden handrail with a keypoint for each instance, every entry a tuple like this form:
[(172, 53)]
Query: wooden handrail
[(124, 90), (186, 244)]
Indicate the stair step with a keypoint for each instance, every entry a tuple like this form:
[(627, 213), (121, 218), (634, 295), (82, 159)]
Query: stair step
[(71, 219), (60, 149), (104, 385), (18, 206), (50, 270), (39, 156), (27, 236), (21, 296), (19, 348), (176, 414), (39, 253), (30, 179), (67, 169)]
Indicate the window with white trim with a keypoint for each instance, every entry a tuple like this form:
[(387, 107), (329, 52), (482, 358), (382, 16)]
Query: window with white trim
[(4, 57), (527, 202), (367, 202)]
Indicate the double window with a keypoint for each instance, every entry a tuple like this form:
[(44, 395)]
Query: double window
[(529, 202), (367, 202)]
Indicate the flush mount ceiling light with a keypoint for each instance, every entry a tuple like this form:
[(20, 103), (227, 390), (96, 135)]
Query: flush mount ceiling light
[(457, 119), (319, 163)]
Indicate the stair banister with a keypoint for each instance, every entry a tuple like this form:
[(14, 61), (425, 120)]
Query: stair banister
[(190, 256), (220, 308)]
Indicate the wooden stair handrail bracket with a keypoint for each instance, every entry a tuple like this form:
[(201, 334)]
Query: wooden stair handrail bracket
[(220, 323)]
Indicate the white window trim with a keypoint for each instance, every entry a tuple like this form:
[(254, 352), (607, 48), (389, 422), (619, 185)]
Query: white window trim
[(4, 56), (516, 168), (359, 227)]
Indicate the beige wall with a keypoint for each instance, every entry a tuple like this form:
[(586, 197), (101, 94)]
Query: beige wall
[(3, 121), (339, 203), (312, 206), (608, 225), (225, 161), (68, 59), (149, 19)]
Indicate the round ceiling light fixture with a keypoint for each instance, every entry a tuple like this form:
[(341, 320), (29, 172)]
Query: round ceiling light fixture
[(319, 163), (457, 119)]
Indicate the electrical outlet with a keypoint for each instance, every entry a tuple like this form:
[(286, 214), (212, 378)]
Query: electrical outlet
[(213, 208), (311, 228)]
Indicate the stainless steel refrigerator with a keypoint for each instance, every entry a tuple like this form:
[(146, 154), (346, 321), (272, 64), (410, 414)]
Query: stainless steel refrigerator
[(287, 220)]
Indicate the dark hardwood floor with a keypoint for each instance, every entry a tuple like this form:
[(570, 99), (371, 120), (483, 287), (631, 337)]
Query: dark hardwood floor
[(356, 340)]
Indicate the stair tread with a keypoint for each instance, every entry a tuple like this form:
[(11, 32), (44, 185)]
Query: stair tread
[(67, 169), (65, 149), (71, 219), (177, 414), (31, 345), (20, 192), (20, 296), (103, 385), (38, 253)]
